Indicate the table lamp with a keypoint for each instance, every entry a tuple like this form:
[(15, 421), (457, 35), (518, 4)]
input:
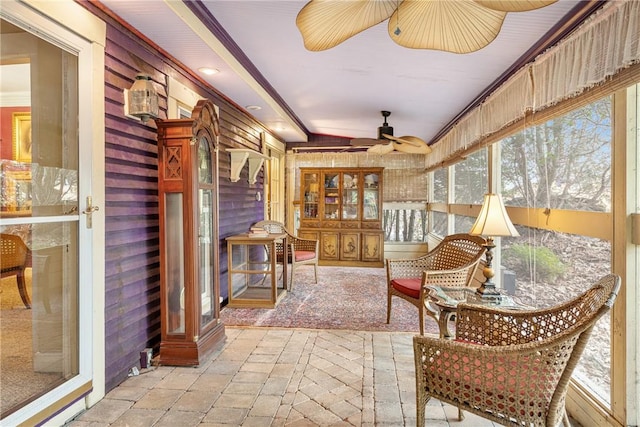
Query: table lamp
[(493, 221)]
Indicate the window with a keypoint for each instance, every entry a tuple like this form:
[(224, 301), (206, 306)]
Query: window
[(471, 178), (405, 222), (563, 165)]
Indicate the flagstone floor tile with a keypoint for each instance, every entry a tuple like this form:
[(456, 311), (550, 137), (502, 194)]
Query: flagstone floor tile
[(280, 377)]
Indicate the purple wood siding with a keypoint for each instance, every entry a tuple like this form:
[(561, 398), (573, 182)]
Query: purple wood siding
[(132, 279)]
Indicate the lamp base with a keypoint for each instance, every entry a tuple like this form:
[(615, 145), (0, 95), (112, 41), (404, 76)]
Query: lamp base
[(488, 290)]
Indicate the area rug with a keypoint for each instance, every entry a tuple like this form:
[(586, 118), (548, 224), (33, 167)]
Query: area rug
[(353, 298)]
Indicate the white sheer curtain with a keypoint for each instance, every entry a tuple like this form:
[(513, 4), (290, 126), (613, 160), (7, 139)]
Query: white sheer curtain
[(605, 44)]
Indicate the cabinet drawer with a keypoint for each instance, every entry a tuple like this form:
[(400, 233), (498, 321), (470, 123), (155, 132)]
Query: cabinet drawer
[(371, 225), (310, 224), (348, 225), (308, 234), (330, 224)]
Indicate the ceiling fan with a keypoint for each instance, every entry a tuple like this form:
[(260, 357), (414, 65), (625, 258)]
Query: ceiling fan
[(460, 26), (387, 143)]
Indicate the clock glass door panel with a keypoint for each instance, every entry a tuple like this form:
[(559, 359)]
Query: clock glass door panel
[(205, 232)]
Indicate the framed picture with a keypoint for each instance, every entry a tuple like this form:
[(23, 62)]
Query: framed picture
[(22, 137)]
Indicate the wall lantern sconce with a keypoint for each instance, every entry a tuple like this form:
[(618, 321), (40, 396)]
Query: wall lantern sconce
[(142, 99)]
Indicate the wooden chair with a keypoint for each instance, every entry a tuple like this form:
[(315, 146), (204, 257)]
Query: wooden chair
[(511, 367), (301, 251), (453, 262), (13, 262)]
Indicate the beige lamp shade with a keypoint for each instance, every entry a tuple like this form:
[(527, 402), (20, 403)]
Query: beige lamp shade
[(458, 26), (493, 220)]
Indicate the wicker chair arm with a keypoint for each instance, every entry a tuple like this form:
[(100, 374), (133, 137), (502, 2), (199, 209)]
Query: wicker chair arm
[(447, 278), (495, 326)]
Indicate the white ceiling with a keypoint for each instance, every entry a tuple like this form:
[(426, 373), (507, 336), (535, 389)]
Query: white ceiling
[(340, 91)]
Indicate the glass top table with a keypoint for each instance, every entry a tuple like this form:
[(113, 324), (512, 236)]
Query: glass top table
[(444, 301)]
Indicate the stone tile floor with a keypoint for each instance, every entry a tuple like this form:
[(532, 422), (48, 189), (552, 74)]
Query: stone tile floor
[(280, 377)]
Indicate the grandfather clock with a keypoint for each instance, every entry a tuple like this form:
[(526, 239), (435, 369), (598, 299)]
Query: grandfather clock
[(189, 254)]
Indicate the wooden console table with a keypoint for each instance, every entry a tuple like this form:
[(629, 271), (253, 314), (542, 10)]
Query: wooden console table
[(253, 274)]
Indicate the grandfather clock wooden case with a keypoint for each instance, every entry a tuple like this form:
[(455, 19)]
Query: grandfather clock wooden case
[(189, 249)]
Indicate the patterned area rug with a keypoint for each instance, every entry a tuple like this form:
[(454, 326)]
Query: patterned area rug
[(351, 298)]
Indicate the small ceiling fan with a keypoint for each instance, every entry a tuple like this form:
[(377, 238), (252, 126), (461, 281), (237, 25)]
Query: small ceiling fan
[(387, 143)]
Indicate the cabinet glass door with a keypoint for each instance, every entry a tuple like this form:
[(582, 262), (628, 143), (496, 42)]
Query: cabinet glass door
[(371, 197), (332, 195), (311, 195), (350, 196)]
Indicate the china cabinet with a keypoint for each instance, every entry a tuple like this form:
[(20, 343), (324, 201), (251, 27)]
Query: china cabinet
[(189, 258), (342, 208)]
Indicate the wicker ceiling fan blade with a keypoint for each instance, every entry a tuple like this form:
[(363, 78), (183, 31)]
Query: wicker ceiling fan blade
[(412, 149), (407, 139), (364, 142), (381, 148), (327, 23), (515, 5), (460, 26)]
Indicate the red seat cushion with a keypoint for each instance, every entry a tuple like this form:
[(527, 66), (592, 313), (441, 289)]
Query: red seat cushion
[(410, 286), (304, 255)]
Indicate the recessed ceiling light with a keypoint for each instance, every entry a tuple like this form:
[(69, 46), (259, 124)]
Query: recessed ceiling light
[(253, 107), (208, 71)]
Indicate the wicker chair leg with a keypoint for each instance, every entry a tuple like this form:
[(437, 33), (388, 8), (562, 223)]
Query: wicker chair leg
[(421, 404), (388, 306), (565, 419), (460, 414), (293, 269), (421, 320), (315, 272), (22, 288)]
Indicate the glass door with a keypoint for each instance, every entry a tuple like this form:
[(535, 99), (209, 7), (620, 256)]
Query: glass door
[(351, 196), (206, 213), (371, 197), (41, 226), (311, 191), (331, 195)]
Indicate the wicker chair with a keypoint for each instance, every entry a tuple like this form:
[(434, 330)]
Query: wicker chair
[(13, 261), (519, 373), (453, 262), (301, 251)]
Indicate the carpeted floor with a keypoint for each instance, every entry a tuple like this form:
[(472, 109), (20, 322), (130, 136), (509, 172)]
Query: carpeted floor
[(352, 298), (18, 381)]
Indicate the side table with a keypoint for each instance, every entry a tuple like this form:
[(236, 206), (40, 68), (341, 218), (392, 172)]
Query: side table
[(252, 275), (445, 300)]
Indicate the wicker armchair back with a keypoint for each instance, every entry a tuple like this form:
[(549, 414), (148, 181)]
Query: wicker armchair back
[(453, 262), (13, 261), (301, 251)]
